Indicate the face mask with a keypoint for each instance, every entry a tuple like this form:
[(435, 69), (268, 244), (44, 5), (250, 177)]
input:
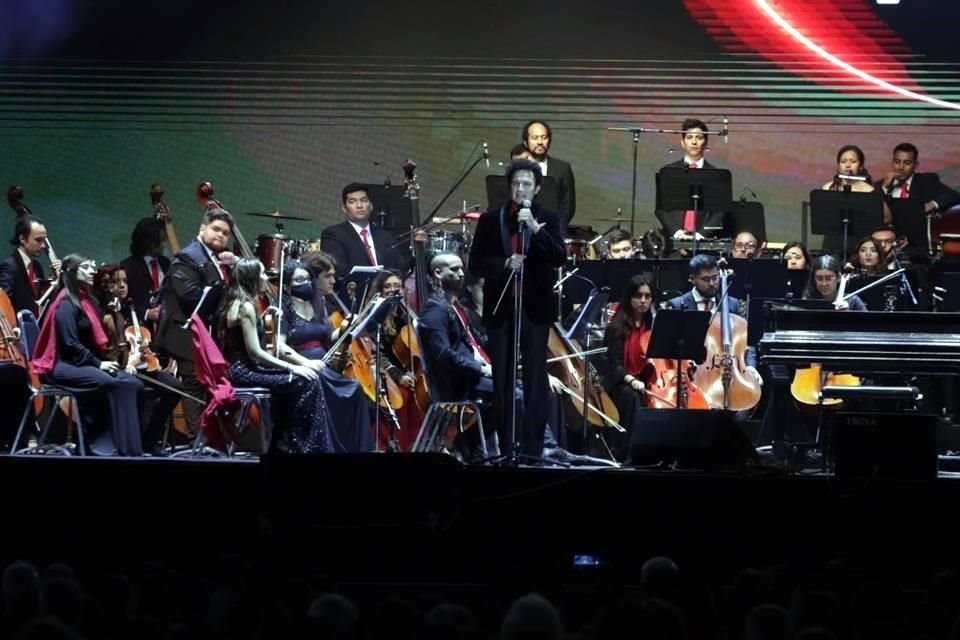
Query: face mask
[(303, 291)]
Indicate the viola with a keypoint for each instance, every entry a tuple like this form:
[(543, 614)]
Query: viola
[(723, 377)]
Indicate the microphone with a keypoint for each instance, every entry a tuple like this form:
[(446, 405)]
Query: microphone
[(857, 178), (486, 154), (726, 130)]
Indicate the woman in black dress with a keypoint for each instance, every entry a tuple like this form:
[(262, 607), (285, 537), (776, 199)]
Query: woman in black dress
[(71, 350), (300, 413)]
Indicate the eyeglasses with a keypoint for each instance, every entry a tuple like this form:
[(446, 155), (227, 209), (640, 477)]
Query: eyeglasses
[(745, 245)]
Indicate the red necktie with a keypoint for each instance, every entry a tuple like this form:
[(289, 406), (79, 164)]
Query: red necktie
[(707, 304), (366, 247), (155, 274), (466, 326), (904, 189), (690, 216), (32, 277)]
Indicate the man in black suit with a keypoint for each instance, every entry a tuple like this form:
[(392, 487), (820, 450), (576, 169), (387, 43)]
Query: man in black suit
[(537, 136), (519, 234), (146, 268), (679, 224), (902, 181), (202, 263), (355, 242), (21, 274)]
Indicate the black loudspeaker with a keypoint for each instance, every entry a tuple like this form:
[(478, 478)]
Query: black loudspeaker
[(708, 440), (892, 445)]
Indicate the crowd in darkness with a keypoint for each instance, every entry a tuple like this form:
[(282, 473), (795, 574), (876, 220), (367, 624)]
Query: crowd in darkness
[(233, 598)]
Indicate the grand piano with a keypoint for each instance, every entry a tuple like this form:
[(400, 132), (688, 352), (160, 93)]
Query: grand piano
[(864, 342)]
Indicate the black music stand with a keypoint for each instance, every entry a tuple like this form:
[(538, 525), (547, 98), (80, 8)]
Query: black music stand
[(679, 335), (845, 214), (760, 277), (498, 192), (582, 327), (358, 280), (748, 216), (682, 189), (391, 210), (910, 220)]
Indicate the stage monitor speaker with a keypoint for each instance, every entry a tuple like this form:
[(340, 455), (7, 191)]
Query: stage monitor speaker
[(891, 445), (693, 439)]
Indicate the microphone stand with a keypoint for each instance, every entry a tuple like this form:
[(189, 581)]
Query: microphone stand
[(904, 280)]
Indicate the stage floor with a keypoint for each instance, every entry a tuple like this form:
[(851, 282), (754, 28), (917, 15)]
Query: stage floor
[(426, 516)]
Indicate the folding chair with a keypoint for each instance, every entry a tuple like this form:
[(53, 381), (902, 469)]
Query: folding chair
[(29, 330), (227, 417)]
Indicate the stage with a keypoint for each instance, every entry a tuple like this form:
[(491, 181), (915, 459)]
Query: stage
[(395, 518)]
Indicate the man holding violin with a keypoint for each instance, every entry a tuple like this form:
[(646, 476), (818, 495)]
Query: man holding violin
[(21, 274), (202, 264)]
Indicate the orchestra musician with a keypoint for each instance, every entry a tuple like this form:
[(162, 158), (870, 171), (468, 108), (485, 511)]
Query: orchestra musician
[(355, 242), (902, 181), (146, 267), (824, 284), (537, 137), (21, 274), (625, 339), (683, 224), (115, 300), (851, 161), (70, 351), (308, 331), (506, 238), (869, 257), (796, 256), (203, 264), (619, 244), (745, 245), (301, 418)]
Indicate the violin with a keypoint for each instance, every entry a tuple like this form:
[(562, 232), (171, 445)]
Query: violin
[(599, 407), (723, 377), (138, 338), (10, 351)]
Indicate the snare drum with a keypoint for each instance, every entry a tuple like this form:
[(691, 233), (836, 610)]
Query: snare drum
[(580, 250), (445, 242), (268, 249), (950, 244)]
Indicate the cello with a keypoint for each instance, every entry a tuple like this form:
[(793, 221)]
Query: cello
[(723, 377), (10, 351), (808, 383), (661, 377), (598, 406)]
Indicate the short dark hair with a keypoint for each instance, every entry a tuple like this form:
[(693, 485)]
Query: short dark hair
[(22, 228), (216, 213), (526, 128), (909, 148), (517, 150), (618, 235), (524, 165), (352, 188), (702, 262), (694, 123), (884, 227), (318, 262)]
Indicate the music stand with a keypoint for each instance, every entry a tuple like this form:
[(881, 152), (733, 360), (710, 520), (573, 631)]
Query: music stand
[(679, 335), (845, 214), (498, 193), (910, 220), (586, 321), (748, 216), (359, 279), (760, 277), (682, 189), (391, 210)]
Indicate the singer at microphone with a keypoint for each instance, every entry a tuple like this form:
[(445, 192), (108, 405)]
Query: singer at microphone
[(852, 175), (517, 249)]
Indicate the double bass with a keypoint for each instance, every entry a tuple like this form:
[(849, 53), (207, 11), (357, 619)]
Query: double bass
[(162, 213), (723, 377)]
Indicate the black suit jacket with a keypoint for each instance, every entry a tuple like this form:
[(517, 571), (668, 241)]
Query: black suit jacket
[(343, 243), (140, 281), (926, 187), (451, 368), (14, 281), (672, 220), (190, 271), (561, 171), (687, 303), (545, 253)]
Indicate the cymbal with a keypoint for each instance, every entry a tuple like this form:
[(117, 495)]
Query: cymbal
[(456, 218), (276, 215), (612, 219)]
